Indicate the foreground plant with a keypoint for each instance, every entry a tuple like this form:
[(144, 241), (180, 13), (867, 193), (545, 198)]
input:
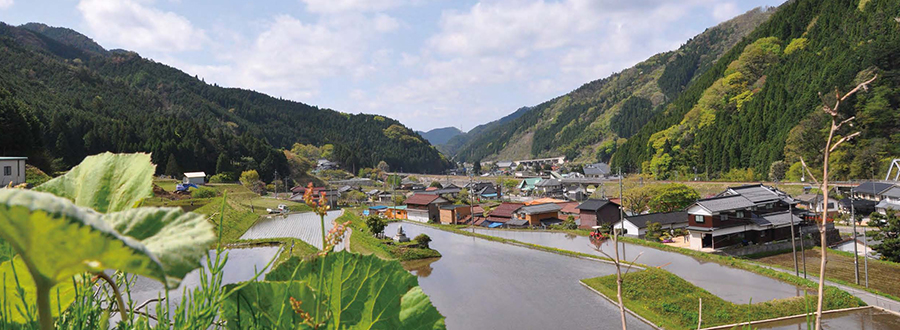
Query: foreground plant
[(831, 143), (59, 230)]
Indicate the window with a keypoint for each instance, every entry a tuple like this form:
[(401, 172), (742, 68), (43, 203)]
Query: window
[(740, 214), (769, 206), (723, 217), (7, 170), (698, 218)]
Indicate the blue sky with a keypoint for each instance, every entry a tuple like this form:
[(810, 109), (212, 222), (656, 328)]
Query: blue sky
[(427, 63)]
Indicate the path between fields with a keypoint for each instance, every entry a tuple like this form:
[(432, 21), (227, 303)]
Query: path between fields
[(866, 296)]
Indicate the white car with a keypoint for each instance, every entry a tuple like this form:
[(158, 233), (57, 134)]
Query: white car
[(281, 209)]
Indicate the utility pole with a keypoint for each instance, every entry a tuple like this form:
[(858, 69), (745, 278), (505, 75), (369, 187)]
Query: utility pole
[(866, 259), (621, 213), (793, 243), (802, 251), (855, 249), (276, 185)]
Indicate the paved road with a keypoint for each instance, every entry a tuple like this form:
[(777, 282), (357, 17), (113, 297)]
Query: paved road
[(304, 226), (868, 297)]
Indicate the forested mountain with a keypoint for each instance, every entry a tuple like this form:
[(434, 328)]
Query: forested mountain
[(75, 98), (440, 136), (589, 123), (760, 103), (452, 146)]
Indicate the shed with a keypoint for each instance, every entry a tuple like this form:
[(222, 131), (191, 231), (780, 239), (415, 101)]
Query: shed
[(197, 178), (12, 170)]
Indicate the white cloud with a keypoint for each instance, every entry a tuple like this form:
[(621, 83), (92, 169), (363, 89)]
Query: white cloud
[(385, 23), (6, 4), (136, 26), (335, 6), (725, 11)]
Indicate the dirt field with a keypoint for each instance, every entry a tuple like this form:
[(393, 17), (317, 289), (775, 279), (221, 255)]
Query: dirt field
[(882, 275)]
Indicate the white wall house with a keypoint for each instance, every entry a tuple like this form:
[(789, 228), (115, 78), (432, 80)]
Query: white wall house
[(197, 178), (12, 170)]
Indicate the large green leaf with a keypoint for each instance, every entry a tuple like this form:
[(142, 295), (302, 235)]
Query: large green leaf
[(61, 296), (106, 182), (59, 239), (362, 292), (416, 312)]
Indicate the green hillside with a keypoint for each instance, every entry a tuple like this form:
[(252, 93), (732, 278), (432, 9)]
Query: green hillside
[(760, 102), (589, 123), (77, 99)]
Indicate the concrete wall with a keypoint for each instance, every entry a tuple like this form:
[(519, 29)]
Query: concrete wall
[(762, 248), (16, 169)]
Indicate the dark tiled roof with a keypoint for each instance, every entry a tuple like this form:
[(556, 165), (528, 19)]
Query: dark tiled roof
[(893, 192), (540, 208), (872, 188), (642, 220), (497, 219), (725, 203), (517, 222), (779, 219), (421, 199), (596, 169), (594, 204), (757, 193), (505, 210)]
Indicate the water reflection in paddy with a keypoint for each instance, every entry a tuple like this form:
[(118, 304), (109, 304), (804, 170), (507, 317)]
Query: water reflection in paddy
[(731, 284), (480, 284)]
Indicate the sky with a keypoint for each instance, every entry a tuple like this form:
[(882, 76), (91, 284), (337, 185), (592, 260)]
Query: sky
[(427, 63)]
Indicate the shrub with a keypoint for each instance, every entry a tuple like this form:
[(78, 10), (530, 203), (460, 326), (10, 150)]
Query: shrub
[(422, 240), (204, 192), (226, 177), (375, 224), (654, 231)]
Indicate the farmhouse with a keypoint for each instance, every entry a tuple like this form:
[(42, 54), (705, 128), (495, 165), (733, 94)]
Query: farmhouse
[(594, 212), (502, 214), (538, 215), (749, 214), (12, 170), (454, 214), (424, 207), (636, 225)]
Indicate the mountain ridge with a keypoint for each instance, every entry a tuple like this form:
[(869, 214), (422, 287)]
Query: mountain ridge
[(88, 101), (577, 124)]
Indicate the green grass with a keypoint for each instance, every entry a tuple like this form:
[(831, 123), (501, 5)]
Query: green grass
[(363, 242), (166, 184), (673, 303), (34, 176)]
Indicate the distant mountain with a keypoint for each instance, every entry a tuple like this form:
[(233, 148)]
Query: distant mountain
[(588, 123), (452, 146), (440, 136), (75, 99), (760, 103)]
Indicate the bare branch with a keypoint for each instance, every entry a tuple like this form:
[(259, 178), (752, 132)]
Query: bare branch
[(808, 172), (845, 121), (863, 86), (842, 140), (632, 263)]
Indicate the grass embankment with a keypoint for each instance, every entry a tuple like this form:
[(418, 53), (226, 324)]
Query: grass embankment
[(364, 242), (882, 274), (242, 208), (673, 303)]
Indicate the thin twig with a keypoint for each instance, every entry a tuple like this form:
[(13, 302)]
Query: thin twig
[(864, 86), (811, 176), (632, 263)]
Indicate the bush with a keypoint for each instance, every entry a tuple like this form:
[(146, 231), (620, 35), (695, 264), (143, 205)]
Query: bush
[(222, 178), (422, 240), (375, 224), (204, 192)]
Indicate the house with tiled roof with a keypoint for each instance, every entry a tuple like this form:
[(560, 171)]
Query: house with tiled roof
[(537, 215), (750, 214), (636, 225), (502, 214), (424, 207), (594, 212)]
